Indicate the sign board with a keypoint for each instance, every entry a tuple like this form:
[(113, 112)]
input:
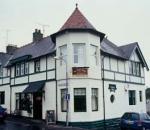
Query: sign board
[(112, 87), (68, 97), (50, 117), (79, 71)]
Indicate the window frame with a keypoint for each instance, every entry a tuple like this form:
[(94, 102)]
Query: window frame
[(95, 55), (132, 97), (79, 55), (37, 66), (95, 98), (135, 68), (63, 99), (17, 70), (2, 97), (140, 96), (76, 97), (63, 56)]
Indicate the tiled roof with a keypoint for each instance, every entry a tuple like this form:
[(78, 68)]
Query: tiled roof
[(4, 58), (35, 49), (77, 21)]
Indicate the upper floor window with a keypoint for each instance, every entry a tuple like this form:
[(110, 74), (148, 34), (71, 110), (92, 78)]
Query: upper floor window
[(79, 54), (132, 97), (94, 56), (135, 68), (22, 68), (26, 70), (63, 53), (18, 70), (37, 65)]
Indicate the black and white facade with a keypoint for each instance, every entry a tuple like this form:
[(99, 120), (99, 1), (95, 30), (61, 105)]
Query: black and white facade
[(99, 73)]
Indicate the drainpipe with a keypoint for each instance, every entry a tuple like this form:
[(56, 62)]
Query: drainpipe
[(103, 82), (56, 90)]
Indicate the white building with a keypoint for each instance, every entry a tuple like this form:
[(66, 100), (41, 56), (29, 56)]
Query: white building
[(104, 80)]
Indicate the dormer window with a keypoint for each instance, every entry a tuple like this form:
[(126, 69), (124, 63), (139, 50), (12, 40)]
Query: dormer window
[(79, 54), (37, 65), (22, 68), (18, 70)]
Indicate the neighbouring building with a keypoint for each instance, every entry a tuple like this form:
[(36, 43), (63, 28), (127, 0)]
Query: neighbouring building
[(104, 80)]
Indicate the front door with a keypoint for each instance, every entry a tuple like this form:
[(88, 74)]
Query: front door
[(37, 105)]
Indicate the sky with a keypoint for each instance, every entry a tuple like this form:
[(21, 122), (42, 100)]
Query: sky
[(123, 21)]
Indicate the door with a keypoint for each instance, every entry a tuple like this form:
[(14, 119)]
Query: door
[(37, 105)]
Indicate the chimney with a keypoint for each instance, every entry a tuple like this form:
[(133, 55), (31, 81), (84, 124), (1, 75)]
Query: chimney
[(37, 35), (11, 48)]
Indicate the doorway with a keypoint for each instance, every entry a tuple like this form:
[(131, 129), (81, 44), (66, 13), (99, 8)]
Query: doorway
[(37, 106)]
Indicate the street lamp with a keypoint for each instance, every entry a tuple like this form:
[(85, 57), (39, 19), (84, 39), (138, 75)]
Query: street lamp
[(102, 68), (67, 94)]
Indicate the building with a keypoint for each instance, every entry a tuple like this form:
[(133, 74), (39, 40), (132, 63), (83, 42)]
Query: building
[(103, 80)]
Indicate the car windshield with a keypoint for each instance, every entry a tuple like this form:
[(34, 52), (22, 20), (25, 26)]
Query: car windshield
[(145, 116)]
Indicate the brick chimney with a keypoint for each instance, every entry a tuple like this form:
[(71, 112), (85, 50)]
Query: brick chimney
[(11, 48), (37, 35)]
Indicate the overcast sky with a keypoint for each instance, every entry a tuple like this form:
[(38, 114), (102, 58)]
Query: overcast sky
[(123, 21)]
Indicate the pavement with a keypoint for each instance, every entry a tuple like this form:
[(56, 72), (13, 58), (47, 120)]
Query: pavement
[(12, 123)]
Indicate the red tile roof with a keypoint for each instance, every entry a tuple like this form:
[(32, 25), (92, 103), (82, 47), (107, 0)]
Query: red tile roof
[(77, 21)]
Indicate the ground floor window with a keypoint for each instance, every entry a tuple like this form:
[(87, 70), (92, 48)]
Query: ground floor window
[(132, 97), (94, 99), (23, 101), (63, 100), (140, 96), (2, 98), (80, 100)]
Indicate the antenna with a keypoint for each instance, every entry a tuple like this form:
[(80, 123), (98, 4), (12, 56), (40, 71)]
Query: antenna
[(7, 35), (43, 27)]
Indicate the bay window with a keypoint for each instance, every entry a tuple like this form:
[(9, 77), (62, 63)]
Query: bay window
[(63, 53), (26, 68), (80, 100), (63, 100), (22, 68), (79, 54), (94, 99), (94, 55)]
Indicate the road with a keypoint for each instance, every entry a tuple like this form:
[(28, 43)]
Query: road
[(25, 125)]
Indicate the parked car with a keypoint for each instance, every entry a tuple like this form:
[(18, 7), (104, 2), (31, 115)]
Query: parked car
[(3, 114), (135, 121)]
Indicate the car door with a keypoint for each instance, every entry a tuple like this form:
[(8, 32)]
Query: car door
[(134, 119)]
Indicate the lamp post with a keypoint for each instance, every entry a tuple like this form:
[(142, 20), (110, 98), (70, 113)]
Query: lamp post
[(67, 94), (103, 92)]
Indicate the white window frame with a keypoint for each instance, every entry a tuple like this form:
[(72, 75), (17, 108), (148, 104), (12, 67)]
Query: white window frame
[(95, 55), (63, 54), (22, 65), (26, 68), (17, 69), (81, 56), (94, 99), (37, 65)]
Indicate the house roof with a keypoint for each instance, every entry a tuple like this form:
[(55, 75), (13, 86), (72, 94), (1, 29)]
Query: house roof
[(124, 52), (77, 21), (4, 58), (34, 50)]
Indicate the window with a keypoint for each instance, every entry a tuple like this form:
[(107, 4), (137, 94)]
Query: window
[(17, 70), (140, 96), (63, 100), (26, 68), (132, 97), (2, 98), (63, 53), (135, 68), (22, 68), (94, 99), (37, 65), (1, 71), (79, 54), (23, 101), (80, 100), (94, 59)]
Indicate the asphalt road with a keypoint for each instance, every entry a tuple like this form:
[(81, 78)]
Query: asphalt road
[(19, 125)]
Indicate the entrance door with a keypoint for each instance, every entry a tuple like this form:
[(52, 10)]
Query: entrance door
[(37, 105)]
